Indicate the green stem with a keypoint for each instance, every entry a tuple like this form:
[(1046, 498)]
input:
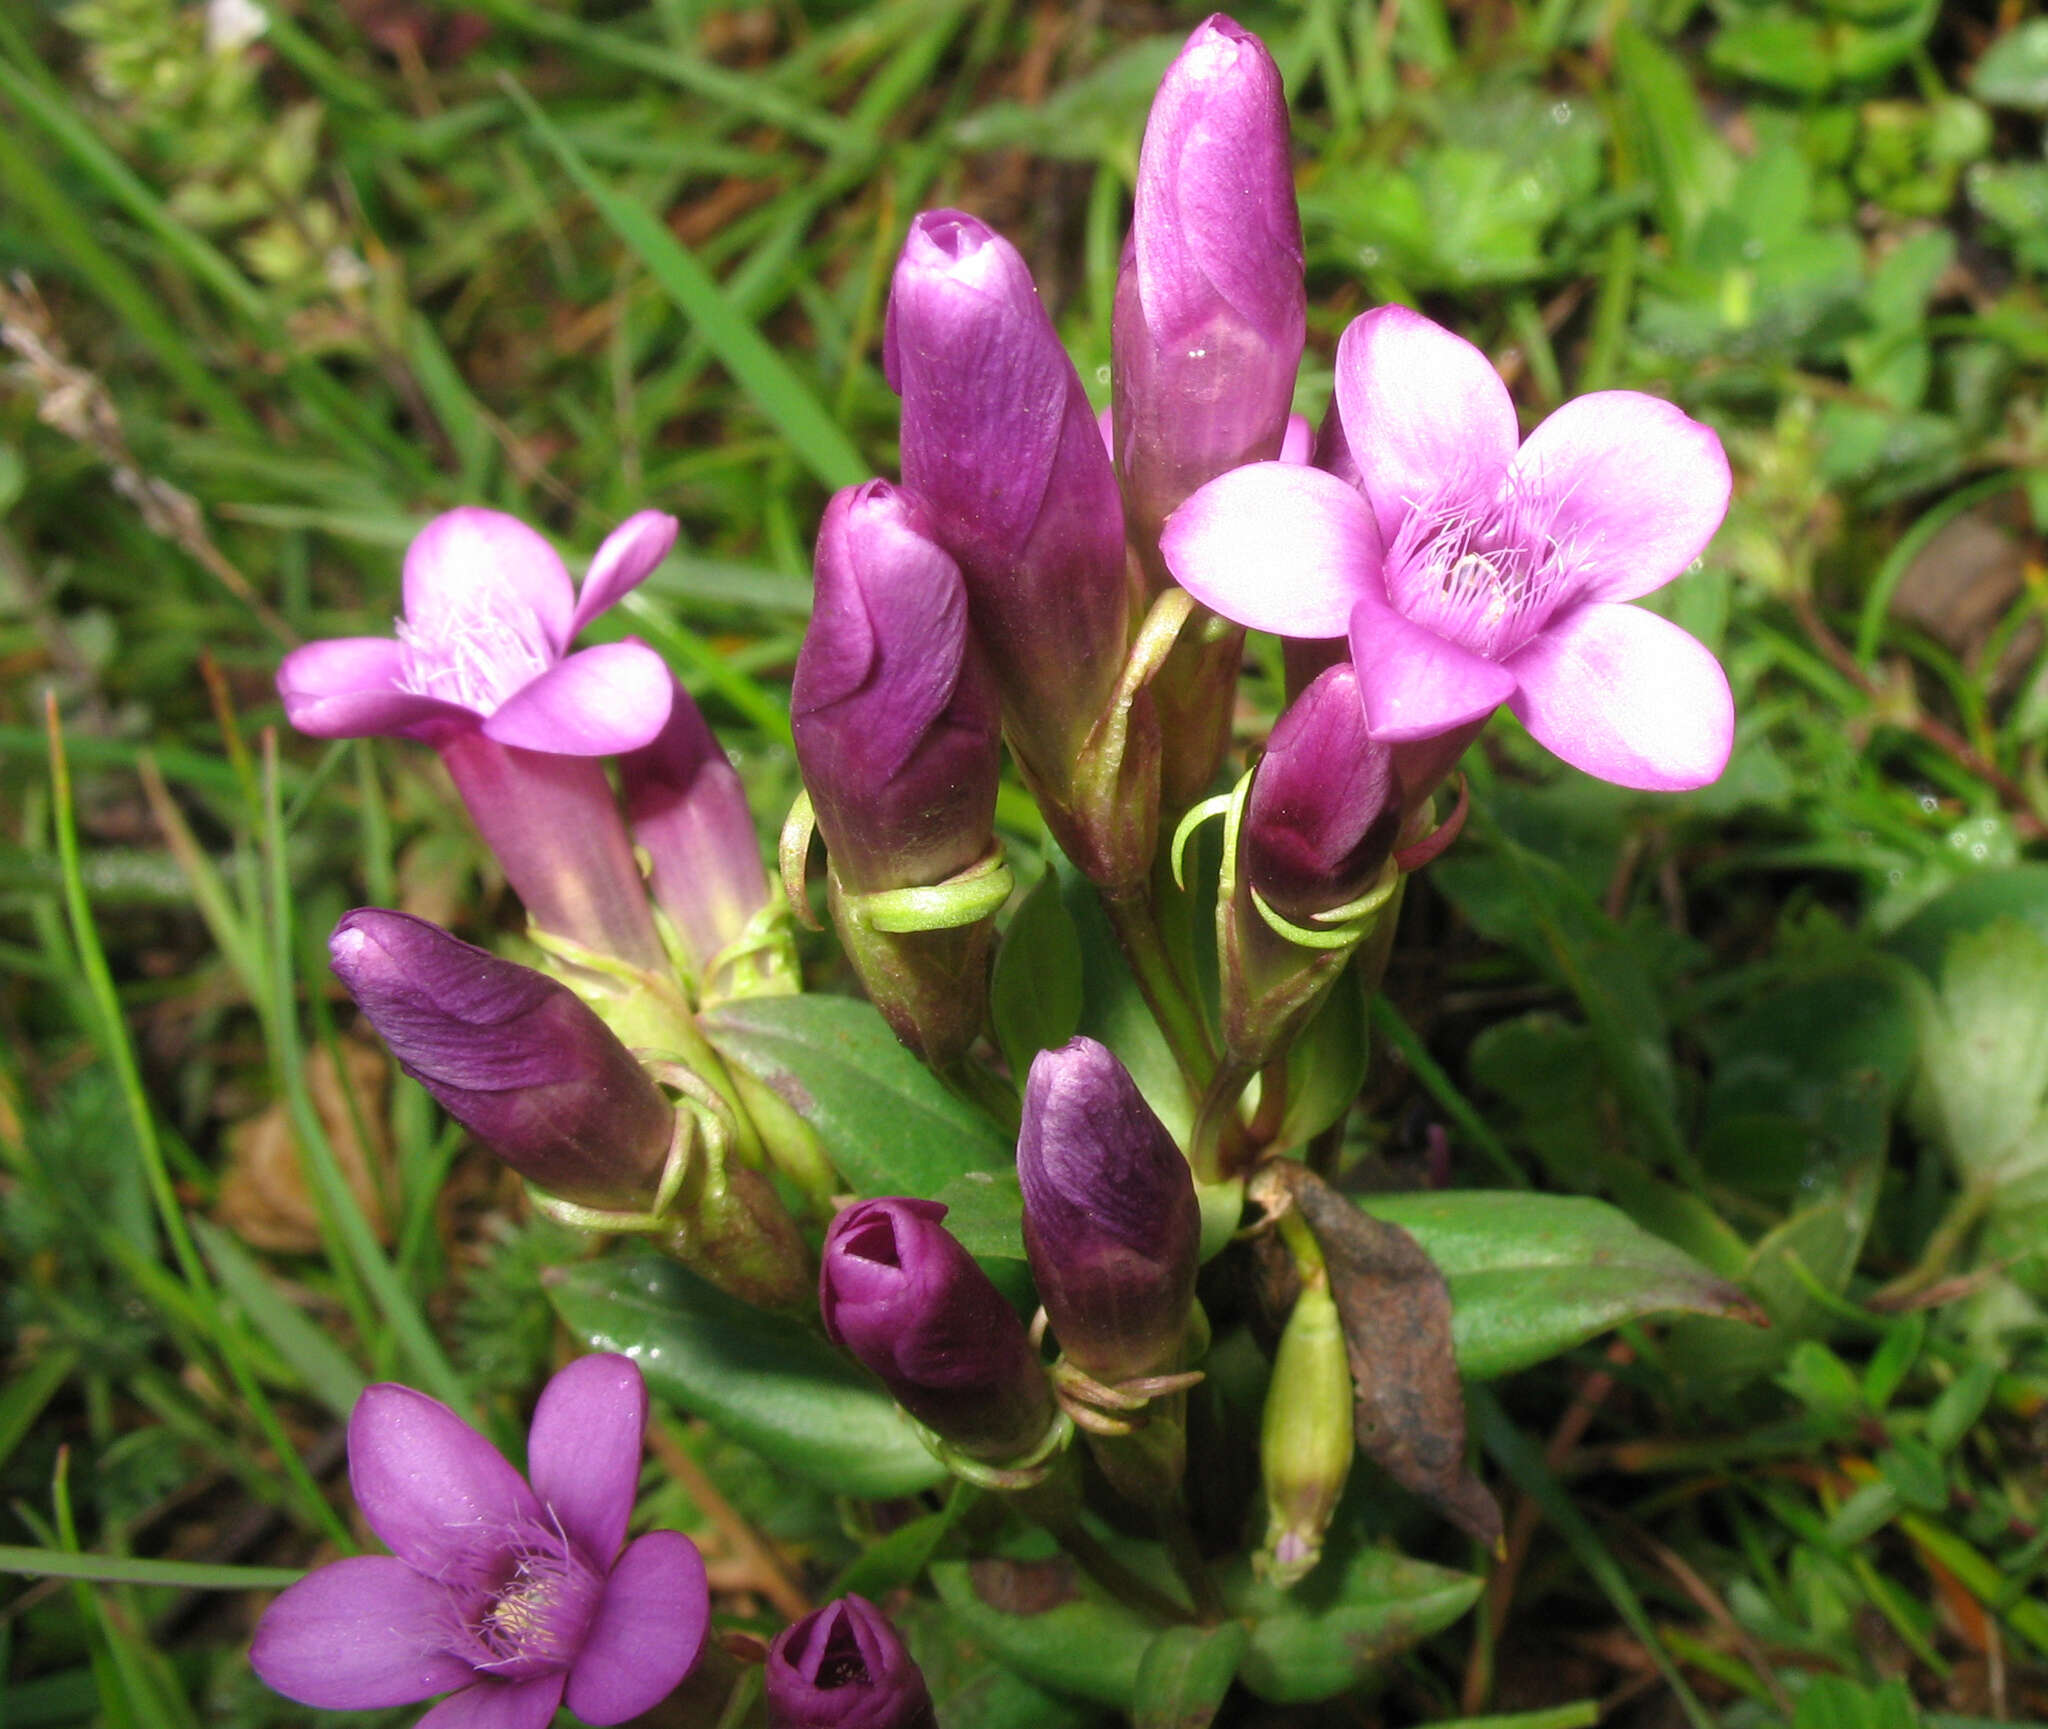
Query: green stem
[(1194, 1572), (1134, 916)]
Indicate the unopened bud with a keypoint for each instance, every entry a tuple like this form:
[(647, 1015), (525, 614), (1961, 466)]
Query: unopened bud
[(1305, 1437), (1111, 1224), (513, 1056), (900, 1295), (844, 1667)]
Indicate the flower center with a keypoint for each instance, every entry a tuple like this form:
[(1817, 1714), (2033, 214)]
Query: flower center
[(1485, 573), (476, 653), (533, 1622)]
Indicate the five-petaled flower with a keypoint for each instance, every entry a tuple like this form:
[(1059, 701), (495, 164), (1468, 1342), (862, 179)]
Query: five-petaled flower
[(507, 1597), (1467, 572), (489, 615)]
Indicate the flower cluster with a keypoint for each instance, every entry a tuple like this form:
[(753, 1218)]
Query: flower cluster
[(1072, 590)]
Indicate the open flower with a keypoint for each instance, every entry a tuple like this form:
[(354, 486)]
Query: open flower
[(509, 1598), (489, 615), (1467, 572)]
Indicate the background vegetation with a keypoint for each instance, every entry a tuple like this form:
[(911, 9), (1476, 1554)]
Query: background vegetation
[(287, 281)]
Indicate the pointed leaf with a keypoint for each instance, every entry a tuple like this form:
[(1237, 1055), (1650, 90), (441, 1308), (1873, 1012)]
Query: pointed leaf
[(769, 1383), (1532, 1275), (886, 1123), (1185, 1673)]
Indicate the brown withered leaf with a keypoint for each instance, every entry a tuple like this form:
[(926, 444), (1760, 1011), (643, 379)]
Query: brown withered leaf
[(263, 1197), (1408, 1403)]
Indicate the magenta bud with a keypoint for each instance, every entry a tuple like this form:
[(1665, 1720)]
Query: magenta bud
[(513, 1056), (689, 812), (895, 720), (1001, 445), (900, 1295), (1111, 1223), (1211, 308), (844, 1667), (1325, 805)]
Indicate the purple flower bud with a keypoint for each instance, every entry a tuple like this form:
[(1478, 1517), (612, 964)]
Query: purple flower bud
[(895, 720), (845, 1667), (1211, 307), (1110, 1219), (901, 748), (1001, 445), (900, 1294), (689, 811), (512, 1055), (1325, 806)]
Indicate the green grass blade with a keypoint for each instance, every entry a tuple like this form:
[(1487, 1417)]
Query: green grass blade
[(125, 1570), (741, 348)]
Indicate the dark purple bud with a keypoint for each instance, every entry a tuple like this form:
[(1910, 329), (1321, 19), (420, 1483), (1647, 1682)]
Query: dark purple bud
[(900, 1294), (845, 1667), (1111, 1223), (1211, 307), (513, 1056), (1325, 807), (895, 720), (689, 811), (1001, 445)]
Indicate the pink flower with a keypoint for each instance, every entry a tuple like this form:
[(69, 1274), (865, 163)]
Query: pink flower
[(483, 645), (505, 1597), (1468, 572)]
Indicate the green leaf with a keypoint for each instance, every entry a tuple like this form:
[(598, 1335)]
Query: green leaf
[(2014, 70), (1360, 1607), (968, 1684), (1984, 1051), (985, 1211), (1035, 996), (1049, 1624), (886, 1123), (899, 1558), (1184, 1675), (1532, 1275), (2020, 892), (1327, 1063), (1836, 1702), (769, 1383)]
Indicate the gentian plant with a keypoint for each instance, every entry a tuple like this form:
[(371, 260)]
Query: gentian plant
[(1075, 1168)]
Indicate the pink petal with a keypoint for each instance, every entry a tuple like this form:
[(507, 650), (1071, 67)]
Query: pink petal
[(1276, 547), (494, 1704), (648, 1631), (427, 1482), (1105, 424), (347, 687), (627, 558), (358, 1634), (583, 1451), (1627, 696), (1298, 443), (1424, 412), (1641, 488), (596, 703), (1414, 683), (470, 559)]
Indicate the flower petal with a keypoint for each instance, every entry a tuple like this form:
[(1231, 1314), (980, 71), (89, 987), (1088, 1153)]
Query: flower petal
[(627, 558), (583, 1451), (1640, 488), (429, 1484), (597, 702), (471, 560), (1276, 547), (1414, 683), (648, 1631), (357, 1635), (1423, 411), (347, 687), (1627, 696), (493, 1704), (1298, 442)]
